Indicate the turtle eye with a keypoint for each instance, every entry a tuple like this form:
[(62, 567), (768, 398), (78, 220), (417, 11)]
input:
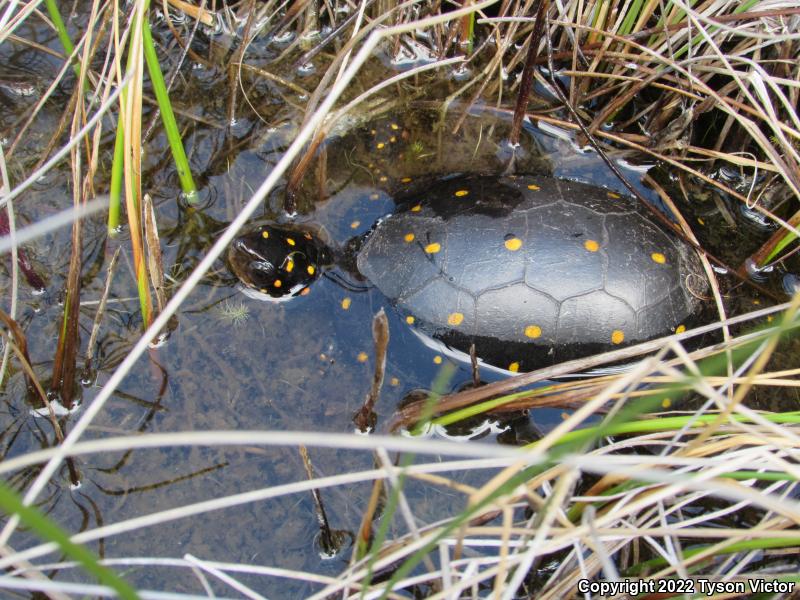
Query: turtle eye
[(250, 264)]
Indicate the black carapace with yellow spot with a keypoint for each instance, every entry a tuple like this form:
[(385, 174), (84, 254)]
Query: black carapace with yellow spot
[(533, 270)]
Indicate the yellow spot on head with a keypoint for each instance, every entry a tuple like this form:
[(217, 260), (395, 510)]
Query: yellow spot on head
[(355, 224), (277, 283), (666, 403), (394, 381), (383, 179), (362, 357), (406, 180), (433, 248), (514, 367), (533, 187), (346, 303), (513, 244), (410, 320), (380, 145), (591, 245), (409, 237), (373, 131), (265, 234), (437, 360), (455, 318), (416, 208), (310, 269), (394, 126), (289, 265), (617, 337), (533, 331), (290, 241), (658, 258), (680, 329), (461, 193), (613, 195), (756, 301), (374, 196)]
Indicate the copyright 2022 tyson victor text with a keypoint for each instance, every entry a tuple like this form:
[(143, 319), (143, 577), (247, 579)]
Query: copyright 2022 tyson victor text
[(636, 587)]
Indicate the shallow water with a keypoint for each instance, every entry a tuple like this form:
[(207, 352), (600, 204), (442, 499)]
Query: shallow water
[(235, 363)]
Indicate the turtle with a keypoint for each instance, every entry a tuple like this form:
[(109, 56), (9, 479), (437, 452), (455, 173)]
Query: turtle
[(533, 270)]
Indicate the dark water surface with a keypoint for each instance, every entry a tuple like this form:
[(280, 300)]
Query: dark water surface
[(235, 363)]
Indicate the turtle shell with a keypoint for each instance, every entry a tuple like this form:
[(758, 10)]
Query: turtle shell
[(533, 270)]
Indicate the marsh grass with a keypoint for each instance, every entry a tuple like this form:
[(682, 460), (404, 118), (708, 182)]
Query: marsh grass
[(708, 493)]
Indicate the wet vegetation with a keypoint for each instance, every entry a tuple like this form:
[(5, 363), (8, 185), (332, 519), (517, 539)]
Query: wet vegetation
[(164, 431)]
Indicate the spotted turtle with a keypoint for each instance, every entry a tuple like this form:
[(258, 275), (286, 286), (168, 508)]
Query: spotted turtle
[(533, 270)]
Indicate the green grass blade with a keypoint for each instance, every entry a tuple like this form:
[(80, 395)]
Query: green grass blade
[(167, 115), (47, 529), (115, 189)]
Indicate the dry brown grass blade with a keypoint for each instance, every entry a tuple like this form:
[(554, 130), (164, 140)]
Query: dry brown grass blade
[(155, 263), (101, 307), (205, 16)]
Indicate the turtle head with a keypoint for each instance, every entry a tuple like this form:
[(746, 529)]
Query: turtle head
[(277, 262)]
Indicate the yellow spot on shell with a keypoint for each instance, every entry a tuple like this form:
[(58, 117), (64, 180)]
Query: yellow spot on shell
[(310, 269), (433, 248), (658, 258), (393, 139), (380, 145), (680, 329), (437, 360), (533, 187), (362, 357), (394, 126), (455, 318), (406, 180), (461, 193), (374, 196), (591, 245), (265, 234), (289, 265), (346, 302), (513, 244), (410, 320), (514, 367), (355, 224), (533, 331), (383, 179), (416, 208), (394, 381), (666, 403), (290, 241), (756, 301), (277, 283), (612, 195), (617, 337), (699, 220), (409, 237)]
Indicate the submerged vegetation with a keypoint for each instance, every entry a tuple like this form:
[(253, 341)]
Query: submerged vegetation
[(197, 117)]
